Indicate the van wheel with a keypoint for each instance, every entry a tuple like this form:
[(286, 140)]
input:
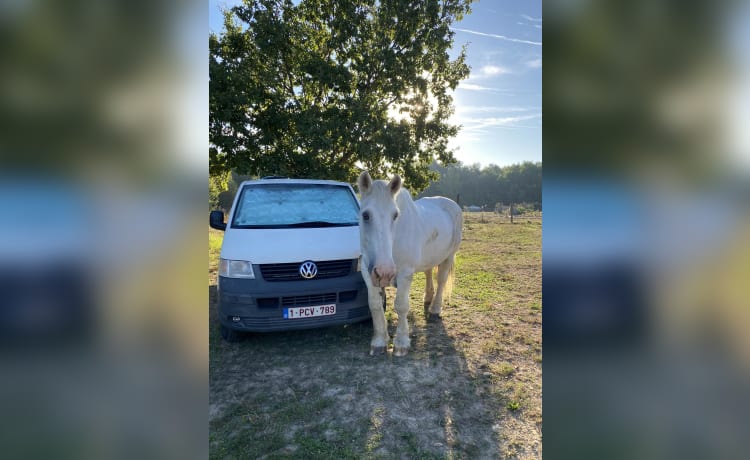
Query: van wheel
[(230, 335)]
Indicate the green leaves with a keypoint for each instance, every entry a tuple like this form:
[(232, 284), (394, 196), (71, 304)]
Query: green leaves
[(321, 88)]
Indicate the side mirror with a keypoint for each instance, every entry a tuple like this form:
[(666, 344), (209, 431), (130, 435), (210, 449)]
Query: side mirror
[(216, 220)]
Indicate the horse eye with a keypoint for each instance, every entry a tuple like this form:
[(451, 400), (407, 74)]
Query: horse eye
[(395, 215), (366, 216)]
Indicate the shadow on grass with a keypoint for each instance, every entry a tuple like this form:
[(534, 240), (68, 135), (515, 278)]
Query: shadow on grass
[(317, 394)]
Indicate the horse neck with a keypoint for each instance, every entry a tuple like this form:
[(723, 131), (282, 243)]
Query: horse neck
[(407, 209)]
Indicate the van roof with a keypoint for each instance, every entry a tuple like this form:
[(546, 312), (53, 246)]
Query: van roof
[(294, 181)]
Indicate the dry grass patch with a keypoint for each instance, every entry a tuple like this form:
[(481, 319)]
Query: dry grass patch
[(470, 388)]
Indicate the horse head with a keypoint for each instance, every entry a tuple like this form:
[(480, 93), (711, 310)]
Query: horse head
[(377, 221)]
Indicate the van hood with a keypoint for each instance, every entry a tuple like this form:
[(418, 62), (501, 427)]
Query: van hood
[(285, 245)]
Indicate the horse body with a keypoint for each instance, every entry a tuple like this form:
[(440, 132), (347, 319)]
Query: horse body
[(424, 245), (400, 237)]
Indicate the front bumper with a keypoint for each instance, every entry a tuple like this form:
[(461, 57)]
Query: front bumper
[(260, 304)]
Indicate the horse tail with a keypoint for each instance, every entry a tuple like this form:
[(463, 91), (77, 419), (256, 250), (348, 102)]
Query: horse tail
[(458, 228), (458, 223), (448, 289)]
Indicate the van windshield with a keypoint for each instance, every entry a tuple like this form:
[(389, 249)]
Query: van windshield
[(295, 205)]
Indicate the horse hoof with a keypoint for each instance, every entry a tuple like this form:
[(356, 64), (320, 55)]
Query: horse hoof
[(377, 351), (434, 317), (400, 351)]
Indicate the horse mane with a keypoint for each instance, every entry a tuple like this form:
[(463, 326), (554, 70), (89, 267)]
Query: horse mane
[(405, 202)]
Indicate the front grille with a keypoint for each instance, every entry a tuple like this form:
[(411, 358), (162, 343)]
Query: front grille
[(347, 296), (269, 302), (290, 272), (305, 300)]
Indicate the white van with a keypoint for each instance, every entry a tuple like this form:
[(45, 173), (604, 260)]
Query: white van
[(290, 257)]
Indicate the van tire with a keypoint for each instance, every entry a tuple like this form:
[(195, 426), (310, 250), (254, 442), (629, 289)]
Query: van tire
[(230, 335)]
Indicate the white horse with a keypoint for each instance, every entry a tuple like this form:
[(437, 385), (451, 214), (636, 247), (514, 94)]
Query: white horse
[(398, 238)]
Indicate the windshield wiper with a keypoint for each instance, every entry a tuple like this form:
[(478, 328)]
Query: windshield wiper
[(317, 223)]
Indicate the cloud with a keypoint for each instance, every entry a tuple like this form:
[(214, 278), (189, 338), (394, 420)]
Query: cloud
[(465, 85), (500, 37), (529, 18), (537, 26), (483, 73), (473, 87), (534, 63), (476, 131), (477, 125), (492, 70), (503, 121), (491, 108)]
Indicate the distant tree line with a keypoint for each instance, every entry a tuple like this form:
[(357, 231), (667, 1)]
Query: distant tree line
[(469, 185), (491, 186)]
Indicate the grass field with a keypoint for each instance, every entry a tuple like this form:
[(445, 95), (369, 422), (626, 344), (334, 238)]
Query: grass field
[(471, 387)]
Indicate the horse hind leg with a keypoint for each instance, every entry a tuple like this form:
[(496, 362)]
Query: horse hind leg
[(429, 289), (444, 279)]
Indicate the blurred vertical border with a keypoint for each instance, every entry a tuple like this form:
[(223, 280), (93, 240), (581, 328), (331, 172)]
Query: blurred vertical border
[(646, 237), (103, 141)]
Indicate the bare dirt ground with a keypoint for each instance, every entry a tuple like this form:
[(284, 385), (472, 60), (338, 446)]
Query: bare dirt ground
[(471, 386)]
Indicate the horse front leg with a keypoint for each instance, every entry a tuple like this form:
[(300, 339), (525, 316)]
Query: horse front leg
[(401, 342), (380, 336)]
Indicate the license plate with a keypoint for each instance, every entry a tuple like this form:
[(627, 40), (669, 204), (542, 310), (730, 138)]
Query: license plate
[(310, 312)]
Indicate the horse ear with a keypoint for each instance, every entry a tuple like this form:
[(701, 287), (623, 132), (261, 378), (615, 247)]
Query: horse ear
[(364, 183), (395, 184)]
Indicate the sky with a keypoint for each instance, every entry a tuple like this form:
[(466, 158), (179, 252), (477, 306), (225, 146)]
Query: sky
[(500, 105)]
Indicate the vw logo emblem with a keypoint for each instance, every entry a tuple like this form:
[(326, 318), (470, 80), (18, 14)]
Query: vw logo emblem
[(308, 269)]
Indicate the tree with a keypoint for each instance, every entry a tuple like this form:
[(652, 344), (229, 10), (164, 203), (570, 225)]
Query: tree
[(315, 89), (513, 184), (217, 183), (523, 183)]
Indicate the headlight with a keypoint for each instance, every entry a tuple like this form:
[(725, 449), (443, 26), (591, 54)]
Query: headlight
[(236, 269), (359, 264)]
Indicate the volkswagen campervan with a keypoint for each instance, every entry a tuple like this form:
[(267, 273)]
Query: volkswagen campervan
[(290, 257)]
